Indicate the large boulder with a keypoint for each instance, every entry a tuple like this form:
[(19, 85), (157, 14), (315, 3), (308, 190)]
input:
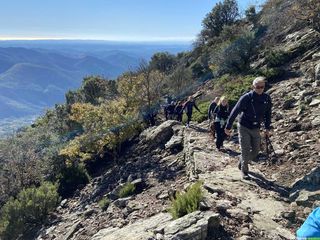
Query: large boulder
[(160, 135)]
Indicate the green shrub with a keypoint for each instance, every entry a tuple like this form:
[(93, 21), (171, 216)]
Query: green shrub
[(272, 74), (71, 178), (234, 87), (187, 202), (28, 210), (127, 190), (200, 117), (277, 58), (234, 56), (104, 203)]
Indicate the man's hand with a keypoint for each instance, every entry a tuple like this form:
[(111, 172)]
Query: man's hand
[(227, 131)]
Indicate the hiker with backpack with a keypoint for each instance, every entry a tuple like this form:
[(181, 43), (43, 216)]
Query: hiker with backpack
[(254, 108), (188, 107), (221, 112), (211, 115)]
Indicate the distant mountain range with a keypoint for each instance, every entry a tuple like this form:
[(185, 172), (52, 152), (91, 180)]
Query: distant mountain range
[(35, 75)]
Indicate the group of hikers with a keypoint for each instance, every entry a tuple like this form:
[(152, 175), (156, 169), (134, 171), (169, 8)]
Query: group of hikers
[(175, 110), (254, 108)]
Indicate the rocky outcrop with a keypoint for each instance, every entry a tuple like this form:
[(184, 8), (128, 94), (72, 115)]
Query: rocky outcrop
[(160, 135), (194, 226)]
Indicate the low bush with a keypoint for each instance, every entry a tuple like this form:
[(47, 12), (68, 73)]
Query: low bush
[(187, 202), (273, 74), (277, 58), (200, 117), (104, 203), (127, 190), (71, 178), (233, 87), (28, 210)]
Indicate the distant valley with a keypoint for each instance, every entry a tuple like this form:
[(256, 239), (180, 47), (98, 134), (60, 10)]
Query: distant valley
[(35, 75)]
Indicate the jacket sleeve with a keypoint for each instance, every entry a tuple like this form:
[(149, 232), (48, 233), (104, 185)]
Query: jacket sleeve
[(209, 111), (240, 106), (267, 116)]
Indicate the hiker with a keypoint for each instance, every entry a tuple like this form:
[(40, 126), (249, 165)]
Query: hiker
[(255, 107), (165, 111), (211, 115), (170, 110), (178, 111), (188, 105), (149, 114), (222, 113), (311, 226)]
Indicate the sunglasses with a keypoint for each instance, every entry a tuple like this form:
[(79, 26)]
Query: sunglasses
[(259, 87)]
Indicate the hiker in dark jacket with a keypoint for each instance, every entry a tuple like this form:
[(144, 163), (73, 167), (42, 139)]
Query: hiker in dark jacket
[(188, 106), (170, 110), (211, 108), (211, 116), (222, 114), (255, 108), (165, 111), (178, 111)]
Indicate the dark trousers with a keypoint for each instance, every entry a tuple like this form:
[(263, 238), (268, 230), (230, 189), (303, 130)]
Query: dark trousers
[(220, 134), (179, 117), (189, 118)]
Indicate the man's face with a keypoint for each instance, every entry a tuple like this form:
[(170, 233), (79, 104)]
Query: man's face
[(259, 88)]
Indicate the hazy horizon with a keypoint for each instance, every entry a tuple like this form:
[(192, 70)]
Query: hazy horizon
[(122, 20)]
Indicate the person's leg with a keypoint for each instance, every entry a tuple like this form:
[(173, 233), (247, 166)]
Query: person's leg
[(219, 134), (255, 143), (245, 144), (189, 119)]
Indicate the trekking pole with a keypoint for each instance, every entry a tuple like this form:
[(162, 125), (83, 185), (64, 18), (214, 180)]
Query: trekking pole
[(269, 149)]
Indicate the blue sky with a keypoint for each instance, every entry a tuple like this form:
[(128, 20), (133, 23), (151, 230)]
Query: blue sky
[(123, 20)]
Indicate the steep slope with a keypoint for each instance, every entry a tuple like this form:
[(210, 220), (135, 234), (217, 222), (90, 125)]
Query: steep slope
[(272, 205)]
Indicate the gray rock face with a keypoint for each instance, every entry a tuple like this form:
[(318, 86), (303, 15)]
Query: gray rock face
[(193, 226), (306, 190), (317, 72)]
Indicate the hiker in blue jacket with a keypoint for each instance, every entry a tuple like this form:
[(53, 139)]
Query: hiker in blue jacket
[(255, 108), (310, 229)]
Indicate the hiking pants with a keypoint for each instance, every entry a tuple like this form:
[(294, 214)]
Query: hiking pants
[(250, 145), (189, 115), (220, 134)]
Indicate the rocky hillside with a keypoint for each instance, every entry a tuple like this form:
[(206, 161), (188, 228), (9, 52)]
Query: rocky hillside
[(169, 157)]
